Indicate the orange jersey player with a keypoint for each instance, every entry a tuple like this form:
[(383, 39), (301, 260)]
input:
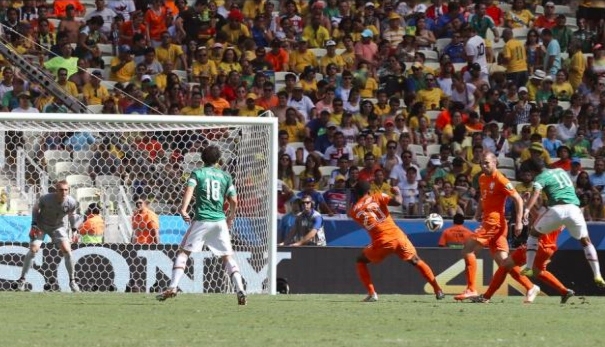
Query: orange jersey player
[(371, 212), (456, 235), (547, 246), (495, 188)]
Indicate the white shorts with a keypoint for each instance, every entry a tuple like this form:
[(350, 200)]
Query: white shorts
[(569, 215), (215, 235), (57, 236)]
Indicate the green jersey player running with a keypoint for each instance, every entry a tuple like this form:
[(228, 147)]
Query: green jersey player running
[(210, 226), (563, 209)]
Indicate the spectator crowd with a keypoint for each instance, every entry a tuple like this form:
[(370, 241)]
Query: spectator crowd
[(398, 93)]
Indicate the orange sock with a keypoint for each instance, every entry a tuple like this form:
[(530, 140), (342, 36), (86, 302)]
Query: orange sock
[(516, 274), (364, 276), (552, 281), (470, 260), (496, 282), (427, 273)]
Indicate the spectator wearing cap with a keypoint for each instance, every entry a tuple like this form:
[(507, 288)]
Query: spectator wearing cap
[(337, 197), (302, 57), (331, 58), (93, 228), (235, 28), (302, 103), (366, 50), (24, 106), (579, 145), (278, 57), (433, 171), (576, 169), (93, 92), (123, 66), (567, 128), (536, 151), (552, 57), (394, 33), (251, 109), (203, 64), (548, 20), (157, 20), (379, 183), (65, 60)]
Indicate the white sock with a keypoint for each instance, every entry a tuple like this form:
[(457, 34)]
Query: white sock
[(69, 265), (178, 270), (27, 263), (532, 247), (236, 277), (593, 260)]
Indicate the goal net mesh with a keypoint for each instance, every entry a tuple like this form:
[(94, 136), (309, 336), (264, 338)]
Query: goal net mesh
[(117, 164)]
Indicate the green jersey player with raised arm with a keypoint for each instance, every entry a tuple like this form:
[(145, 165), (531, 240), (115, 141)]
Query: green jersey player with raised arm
[(563, 209)]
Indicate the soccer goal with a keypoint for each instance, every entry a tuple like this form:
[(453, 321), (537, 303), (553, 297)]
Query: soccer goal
[(116, 161)]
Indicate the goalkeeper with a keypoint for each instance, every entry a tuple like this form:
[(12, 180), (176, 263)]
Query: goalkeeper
[(48, 218)]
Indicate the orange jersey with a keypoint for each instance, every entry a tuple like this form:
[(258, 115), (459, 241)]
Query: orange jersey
[(372, 213), (455, 235), (494, 191), (549, 241), (143, 223)]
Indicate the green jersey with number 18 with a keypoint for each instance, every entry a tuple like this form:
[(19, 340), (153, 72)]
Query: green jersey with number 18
[(558, 187), (211, 186)]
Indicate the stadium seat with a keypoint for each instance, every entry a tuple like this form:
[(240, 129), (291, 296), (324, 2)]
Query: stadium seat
[(441, 44), (318, 52), (327, 170), (318, 76), (95, 108), (554, 160), (296, 145), (433, 114), (182, 75), (459, 66), (520, 126), (105, 48), (110, 85), (432, 149), (76, 181), (298, 169), (372, 100), (564, 104), (107, 180), (429, 55), (563, 9), (53, 156), (104, 72), (58, 170), (587, 163), (416, 149), (422, 161), (520, 33), (88, 193), (506, 163), (509, 173), (280, 76), (539, 10), (107, 59), (340, 51)]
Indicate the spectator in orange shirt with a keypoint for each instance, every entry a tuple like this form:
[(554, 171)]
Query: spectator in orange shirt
[(145, 224), (93, 228), (215, 99), (60, 6), (549, 19), (456, 235)]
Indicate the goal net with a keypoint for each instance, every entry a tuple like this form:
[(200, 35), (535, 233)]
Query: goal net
[(117, 162)]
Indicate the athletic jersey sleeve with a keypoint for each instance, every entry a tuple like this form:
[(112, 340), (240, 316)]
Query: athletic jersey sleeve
[(507, 186), (230, 192), (317, 220), (192, 180)]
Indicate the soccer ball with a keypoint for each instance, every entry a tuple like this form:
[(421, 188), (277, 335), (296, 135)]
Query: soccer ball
[(433, 222)]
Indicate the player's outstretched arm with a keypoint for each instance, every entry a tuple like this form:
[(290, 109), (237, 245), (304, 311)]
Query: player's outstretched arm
[(535, 195), (397, 199)]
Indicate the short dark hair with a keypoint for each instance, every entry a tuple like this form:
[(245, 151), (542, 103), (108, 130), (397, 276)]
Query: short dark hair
[(532, 165), (362, 188), (211, 155), (458, 219)]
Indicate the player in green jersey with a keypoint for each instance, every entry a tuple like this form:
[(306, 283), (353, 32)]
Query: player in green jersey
[(210, 225), (563, 209)]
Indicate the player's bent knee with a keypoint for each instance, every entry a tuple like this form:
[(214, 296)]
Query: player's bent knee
[(414, 260), (362, 259)]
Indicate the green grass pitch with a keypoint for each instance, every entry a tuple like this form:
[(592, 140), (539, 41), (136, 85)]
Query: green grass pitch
[(110, 319)]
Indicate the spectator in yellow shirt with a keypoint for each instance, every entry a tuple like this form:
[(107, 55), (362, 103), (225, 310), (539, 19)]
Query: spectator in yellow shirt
[(235, 28), (68, 86), (251, 109), (203, 63), (331, 58), (316, 33), (302, 57), (295, 128), (195, 106), (167, 51), (432, 96), (577, 64), (94, 93), (122, 66), (253, 8)]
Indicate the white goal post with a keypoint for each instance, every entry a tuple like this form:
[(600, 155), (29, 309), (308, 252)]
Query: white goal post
[(113, 160)]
